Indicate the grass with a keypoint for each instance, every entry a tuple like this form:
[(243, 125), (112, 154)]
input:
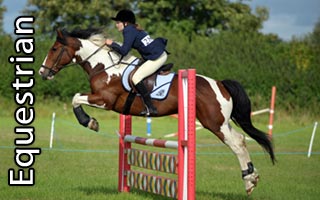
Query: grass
[(84, 164)]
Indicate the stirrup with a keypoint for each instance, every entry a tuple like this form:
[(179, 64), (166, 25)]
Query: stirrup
[(149, 112)]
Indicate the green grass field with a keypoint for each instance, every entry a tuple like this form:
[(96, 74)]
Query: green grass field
[(84, 164)]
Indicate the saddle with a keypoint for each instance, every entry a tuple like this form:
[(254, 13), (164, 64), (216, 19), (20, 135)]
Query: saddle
[(157, 84), (150, 81)]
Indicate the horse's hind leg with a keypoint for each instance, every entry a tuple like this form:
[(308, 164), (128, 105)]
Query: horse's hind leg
[(236, 142)]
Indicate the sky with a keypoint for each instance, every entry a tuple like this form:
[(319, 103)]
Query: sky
[(287, 18)]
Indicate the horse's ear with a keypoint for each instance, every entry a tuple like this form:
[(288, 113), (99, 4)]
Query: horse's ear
[(62, 36), (59, 33)]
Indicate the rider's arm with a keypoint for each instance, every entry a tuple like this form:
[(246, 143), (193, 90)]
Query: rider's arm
[(128, 40)]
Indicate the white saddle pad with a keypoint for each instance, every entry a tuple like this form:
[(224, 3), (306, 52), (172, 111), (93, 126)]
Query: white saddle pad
[(160, 88)]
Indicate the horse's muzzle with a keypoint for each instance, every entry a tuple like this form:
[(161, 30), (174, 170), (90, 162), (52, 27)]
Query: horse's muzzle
[(45, 73)]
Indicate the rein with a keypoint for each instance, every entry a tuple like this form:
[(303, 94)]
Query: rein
[(53, 72), (113, 65), (96, 51), (82, 61)]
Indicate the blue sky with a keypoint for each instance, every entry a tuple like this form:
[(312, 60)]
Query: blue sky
[(287, 17)]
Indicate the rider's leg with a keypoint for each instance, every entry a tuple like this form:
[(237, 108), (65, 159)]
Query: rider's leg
[(146, 69), (150, 109)]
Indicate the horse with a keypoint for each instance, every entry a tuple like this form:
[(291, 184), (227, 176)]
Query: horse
[(217, 102)]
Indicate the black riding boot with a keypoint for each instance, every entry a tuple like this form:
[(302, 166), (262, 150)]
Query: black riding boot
[(150, 109)]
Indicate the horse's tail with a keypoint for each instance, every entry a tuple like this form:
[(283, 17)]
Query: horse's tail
[(241, 115)]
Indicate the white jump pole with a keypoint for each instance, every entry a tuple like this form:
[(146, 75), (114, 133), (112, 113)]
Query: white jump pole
[(312, 138), (260, 111), (149, 120), (52, 129)]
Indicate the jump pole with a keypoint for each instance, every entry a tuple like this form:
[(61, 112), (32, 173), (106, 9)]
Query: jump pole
[(149, 120), (312, 138), (52, 129), (271, 115), (124, 129), (186, 140), (186, 133)]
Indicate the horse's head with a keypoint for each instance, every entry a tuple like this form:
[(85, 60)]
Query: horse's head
[(84, 47), (60, 54)]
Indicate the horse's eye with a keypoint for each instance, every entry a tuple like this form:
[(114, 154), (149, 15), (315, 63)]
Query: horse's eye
[(53, 49)]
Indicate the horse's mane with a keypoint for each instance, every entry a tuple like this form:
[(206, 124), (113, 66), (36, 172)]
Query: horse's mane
[(95, 35), (85, 33)]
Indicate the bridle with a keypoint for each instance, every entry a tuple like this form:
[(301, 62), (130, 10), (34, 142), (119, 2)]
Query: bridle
[(52, 70)]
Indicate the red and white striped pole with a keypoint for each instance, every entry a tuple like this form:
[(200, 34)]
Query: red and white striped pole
[(124, 129), (186, 134)]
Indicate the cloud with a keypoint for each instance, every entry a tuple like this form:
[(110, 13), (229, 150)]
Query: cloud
[(286, 26), (289, 18)]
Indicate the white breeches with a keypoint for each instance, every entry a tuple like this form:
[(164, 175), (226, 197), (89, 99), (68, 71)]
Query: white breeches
[(148, 68)]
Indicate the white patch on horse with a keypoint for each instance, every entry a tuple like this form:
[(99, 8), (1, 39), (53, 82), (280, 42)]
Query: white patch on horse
[(79, 99), (41, 70), (232, 138), (109, 59), (44, 62), (86, 50), (225, 110)]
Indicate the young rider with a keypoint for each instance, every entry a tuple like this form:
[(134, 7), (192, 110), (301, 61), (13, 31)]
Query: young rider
[(151, 50)]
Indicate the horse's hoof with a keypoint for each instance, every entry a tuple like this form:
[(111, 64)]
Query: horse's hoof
[(250, 190), (93, 124), (251, 181), (255, 181)]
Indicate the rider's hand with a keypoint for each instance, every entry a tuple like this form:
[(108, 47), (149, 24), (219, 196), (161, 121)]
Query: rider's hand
[(109, 42)]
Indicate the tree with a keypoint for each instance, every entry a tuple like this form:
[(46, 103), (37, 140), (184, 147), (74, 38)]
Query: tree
[(2, 10), (201, 17), (69, 13)]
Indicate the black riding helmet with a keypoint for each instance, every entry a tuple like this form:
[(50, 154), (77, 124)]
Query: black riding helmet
[(125, 16)]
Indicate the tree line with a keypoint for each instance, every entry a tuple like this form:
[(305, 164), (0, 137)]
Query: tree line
[(219, 38)]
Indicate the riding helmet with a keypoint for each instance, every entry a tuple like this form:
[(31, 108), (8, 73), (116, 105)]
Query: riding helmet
[(125, 16)]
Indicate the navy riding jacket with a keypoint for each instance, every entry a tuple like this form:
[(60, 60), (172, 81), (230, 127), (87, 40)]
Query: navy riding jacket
[(149, 49)]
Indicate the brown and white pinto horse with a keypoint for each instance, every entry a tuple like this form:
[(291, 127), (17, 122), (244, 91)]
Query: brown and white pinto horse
[(216, 101)]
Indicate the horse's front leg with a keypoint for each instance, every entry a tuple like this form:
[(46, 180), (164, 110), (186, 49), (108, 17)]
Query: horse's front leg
[(83, 118)]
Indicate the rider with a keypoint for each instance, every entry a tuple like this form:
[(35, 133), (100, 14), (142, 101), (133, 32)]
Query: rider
[(152, 51)]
